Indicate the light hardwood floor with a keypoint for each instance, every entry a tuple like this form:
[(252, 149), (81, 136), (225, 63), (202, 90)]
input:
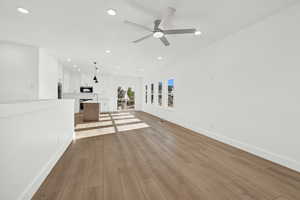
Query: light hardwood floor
[(164, 162)]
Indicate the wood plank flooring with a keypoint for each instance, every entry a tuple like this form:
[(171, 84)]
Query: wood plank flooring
[(164, 162)]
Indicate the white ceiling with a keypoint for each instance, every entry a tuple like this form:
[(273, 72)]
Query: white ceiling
[(82, 31)]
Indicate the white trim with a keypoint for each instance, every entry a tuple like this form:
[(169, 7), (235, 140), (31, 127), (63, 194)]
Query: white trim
[(167, 108), (276, 158), (43, 173)]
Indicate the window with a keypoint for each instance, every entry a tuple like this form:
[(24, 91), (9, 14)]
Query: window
[(125, 98), (146, 94), (152, 93), (160, 93), (171, 93)]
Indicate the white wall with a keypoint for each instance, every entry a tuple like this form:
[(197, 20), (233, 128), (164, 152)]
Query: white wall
[(242, 90), (18, 72), (71, 81), (33, 137), (48, 75), (27, 73), (60, 72), (106, 88)]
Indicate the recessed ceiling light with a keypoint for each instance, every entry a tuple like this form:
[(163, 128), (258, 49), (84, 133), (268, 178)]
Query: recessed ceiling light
[(69, 59), (111, 12), (107, 51), (197, 33), (78, 69), (23, 10), (74, 66), (159, 58)]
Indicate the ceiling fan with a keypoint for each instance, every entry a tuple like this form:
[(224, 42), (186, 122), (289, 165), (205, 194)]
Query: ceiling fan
[(160, 33)]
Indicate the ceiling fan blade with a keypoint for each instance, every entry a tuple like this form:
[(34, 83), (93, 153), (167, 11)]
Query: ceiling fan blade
[(179, 31), (165, 41), (143, 38), (138, 25), (168, 17), (156, 24)]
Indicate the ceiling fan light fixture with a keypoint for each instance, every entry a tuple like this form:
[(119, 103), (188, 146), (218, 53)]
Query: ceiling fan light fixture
[(198, 32), (111, 12), (23, 10), (158, 34)]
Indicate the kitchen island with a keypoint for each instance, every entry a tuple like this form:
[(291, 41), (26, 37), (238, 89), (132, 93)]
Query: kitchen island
[(91, 110)]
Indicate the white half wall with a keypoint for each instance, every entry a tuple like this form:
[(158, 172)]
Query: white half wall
[(18, 72), (33, 137), (242, 90)]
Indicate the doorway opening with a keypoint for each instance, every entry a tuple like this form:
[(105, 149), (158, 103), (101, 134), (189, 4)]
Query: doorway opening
[(125, 99)]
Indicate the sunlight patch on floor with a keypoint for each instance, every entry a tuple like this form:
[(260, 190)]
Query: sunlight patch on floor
[(104, 115), (126, 121), (104, 118), (109, 123), (129, 127), (119, 114), (94, 124), (94, 132), (123, 117)]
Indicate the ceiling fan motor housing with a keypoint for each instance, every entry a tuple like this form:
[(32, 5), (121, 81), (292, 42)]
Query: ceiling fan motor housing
[(158, 34)]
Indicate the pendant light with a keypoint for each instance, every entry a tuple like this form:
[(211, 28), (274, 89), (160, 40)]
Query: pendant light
[(96, 71)]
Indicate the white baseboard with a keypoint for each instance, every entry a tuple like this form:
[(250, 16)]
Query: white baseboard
[(282, 160), (42, 175), (276, 158)]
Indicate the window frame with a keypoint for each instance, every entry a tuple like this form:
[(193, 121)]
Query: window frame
[(160, 94), (146, 94), (172, 93), (152, 93)]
